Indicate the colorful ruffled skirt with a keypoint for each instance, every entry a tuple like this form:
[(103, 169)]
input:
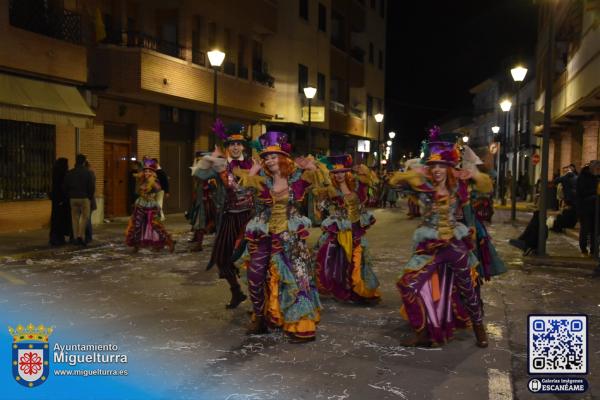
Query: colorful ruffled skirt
[(344, 268), (144, 228)]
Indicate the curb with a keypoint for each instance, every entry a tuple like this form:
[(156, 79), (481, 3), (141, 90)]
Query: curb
[(562, 262)]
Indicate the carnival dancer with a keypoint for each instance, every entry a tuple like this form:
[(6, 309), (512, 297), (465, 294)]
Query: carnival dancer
[(344, 267), (233, 203), (438, 282), (202, 212), (144, 228), (279, 265)]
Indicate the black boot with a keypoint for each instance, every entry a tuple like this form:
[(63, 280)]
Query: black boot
[(257, 326), (420, 339), (480, 335), (237, 296)]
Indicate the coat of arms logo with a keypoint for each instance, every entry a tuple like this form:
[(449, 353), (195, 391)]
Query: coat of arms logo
[(30, 354)]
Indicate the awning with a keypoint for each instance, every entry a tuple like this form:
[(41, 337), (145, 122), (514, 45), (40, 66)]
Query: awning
[(30, 100)]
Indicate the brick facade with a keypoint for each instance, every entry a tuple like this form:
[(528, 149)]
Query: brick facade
[(590, 141)]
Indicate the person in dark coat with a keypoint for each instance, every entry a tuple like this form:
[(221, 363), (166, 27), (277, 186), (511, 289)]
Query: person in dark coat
[(586, 202), (60, 218), (80, 188)]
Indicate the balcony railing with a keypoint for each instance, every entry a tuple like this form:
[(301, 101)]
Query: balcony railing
[(199, 57), (140, 39), (337, 107), (229, 68), (242, 72), (358, 54), (56, 22)]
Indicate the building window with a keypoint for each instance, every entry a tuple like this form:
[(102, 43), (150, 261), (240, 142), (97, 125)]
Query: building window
[(371, 55), (242, 65), (337, 30), (382, 8), (373, 4), (322, 18), (321, 86), (380, 59), (27, 152), (302, 77), (303, 9), (369, 105), (212, 35)]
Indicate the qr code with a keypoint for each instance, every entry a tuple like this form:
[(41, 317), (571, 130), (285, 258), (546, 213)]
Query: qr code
[(557, 344)]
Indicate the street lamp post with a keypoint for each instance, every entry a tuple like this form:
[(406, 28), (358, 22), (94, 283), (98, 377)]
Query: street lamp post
[(548, 76), (392, 135), (518, 74), (495, 130), (215, 57), (310, 93), (505, 105), (379, 118)]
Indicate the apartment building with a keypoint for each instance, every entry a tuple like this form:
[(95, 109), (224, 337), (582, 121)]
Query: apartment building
[(139, 83), (576, 81)]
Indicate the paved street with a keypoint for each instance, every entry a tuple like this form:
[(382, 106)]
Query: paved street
[(167, 313)]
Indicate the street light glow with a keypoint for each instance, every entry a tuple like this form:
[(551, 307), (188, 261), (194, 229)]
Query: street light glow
[(465, 139), (378, 117), (495, 129), (392, 134), (518, 73), (389, 142), (216, 57), (505, 105), (310, 92)]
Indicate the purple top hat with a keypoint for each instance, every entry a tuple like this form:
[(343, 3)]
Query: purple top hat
[(274, 143), (150, 164), (339, 163)]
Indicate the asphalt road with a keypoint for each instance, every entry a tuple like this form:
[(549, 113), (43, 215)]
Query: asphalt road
[(167, 314)]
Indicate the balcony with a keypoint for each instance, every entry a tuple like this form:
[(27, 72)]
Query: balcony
[(260, 74), (140, 73), (198, 57), (357, 54), (229, 68), (337, 107), (57, 23), (140, 39), (242, 72)]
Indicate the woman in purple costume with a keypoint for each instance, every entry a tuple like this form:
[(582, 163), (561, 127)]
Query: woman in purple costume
[(279, 267), (343, 264), (438, 285)]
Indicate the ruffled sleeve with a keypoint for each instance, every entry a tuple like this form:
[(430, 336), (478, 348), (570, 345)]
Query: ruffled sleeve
[(482, 183), (365, 176), (416, 180), (209, 167), (250, 181)]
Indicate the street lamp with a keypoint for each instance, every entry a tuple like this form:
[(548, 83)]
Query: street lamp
[(518, 74), (505, 105), (379, 118), (495, 130), (215, 57), (392, 134), (309, 92), (465, 139)]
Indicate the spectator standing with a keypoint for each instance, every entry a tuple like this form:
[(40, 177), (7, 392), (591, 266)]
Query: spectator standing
[(80, 188)]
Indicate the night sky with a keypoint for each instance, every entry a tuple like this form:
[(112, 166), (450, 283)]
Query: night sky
[(438, 50)]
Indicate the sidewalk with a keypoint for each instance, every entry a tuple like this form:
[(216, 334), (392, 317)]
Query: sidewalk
[(34, 243)]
